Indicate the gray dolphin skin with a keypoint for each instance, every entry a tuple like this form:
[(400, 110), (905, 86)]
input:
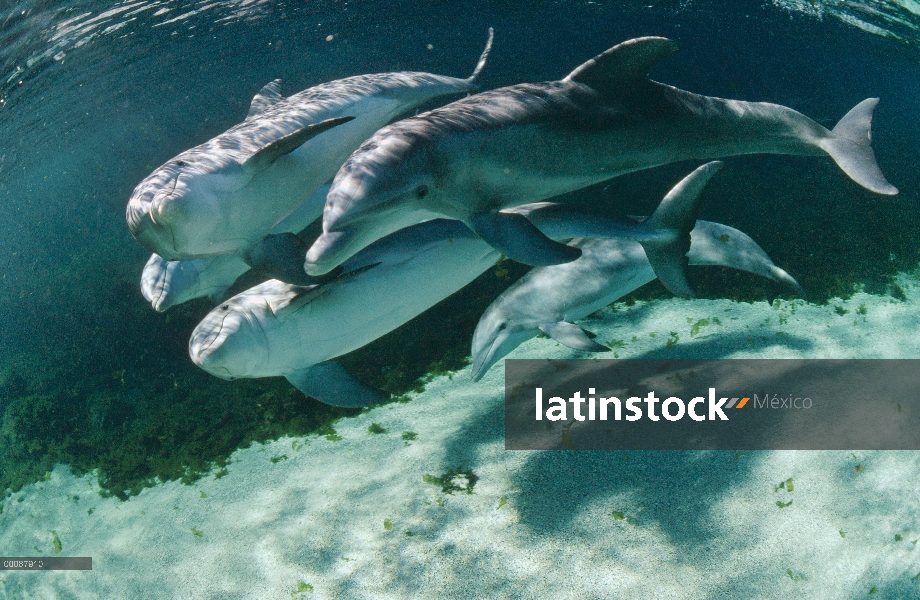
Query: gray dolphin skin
[(167, 283), (548, 299), (281, 329), (224, 195), (501, 148)]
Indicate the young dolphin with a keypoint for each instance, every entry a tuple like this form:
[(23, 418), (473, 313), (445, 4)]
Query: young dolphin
[(167, 283), (280, 329), (224, 195), (548, 299), (471, 158)]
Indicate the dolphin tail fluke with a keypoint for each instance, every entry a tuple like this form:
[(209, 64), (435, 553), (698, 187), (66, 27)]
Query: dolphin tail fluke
[(331, 384), (671, 224), (850, 145), (519, 239), (482, 59)]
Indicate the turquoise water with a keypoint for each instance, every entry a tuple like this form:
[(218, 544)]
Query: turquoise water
[(94, 96)]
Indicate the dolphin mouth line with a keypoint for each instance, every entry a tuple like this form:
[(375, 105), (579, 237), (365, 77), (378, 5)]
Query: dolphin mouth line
[(214, 338), (478, 367), (161, 290)]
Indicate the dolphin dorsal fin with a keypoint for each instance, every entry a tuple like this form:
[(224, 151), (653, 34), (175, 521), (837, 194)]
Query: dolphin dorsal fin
[(275, 150), (302, 295), (630, 60), (267, 97)]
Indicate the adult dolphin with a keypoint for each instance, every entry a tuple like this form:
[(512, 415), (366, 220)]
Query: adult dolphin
[(549, 299), (224, 195), (473, 157), (165, 284), (295, 331)]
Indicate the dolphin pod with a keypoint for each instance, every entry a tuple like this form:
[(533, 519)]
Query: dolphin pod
[(281, 329), (548, 299), (472, 158), (223, 196), (423, 206)]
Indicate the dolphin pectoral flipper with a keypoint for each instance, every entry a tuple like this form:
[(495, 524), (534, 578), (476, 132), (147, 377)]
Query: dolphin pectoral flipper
[(630, 60), (331, 384), (573, 336), (670, 226), (850, 147), (267, 97), (289, 143), (519, 239), (280, 256)]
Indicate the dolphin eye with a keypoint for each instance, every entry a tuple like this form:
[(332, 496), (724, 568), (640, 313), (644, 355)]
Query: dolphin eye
[(421, 191), (502, 326), (181, 163), (225, 307)]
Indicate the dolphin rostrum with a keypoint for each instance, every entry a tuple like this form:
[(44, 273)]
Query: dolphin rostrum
[(501, 148), (549, 299), (224, 195), (167, 283), (295, 331)]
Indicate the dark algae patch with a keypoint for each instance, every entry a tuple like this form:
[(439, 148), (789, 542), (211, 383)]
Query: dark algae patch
[(153, 429), (149, 416), (453, 480)]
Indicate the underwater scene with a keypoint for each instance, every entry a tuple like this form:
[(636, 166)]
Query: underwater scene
[(262, 263)]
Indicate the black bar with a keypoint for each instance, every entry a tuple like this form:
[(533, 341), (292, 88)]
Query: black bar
[(727, 404), (41, 563)]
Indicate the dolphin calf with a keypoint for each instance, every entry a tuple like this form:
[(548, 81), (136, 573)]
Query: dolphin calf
[(473, 157), (224, 195), (167, 283), (548, 299), (281, 329)]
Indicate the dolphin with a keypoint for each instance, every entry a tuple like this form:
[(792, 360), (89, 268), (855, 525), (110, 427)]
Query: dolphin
[(224, 195), (475, 156), (167, 283), (295, 331), (549, 299)]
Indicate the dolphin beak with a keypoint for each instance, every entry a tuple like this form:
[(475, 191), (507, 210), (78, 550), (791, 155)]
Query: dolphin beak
[(200, 343), (483, 360), (328, 251)]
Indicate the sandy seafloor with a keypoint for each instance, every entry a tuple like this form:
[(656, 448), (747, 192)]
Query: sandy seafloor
[(573, 524)]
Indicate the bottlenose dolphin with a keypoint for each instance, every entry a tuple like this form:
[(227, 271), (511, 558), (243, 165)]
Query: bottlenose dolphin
[(473, 157), (280, 329), (167, 283), (548, 299), (224, 195)]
